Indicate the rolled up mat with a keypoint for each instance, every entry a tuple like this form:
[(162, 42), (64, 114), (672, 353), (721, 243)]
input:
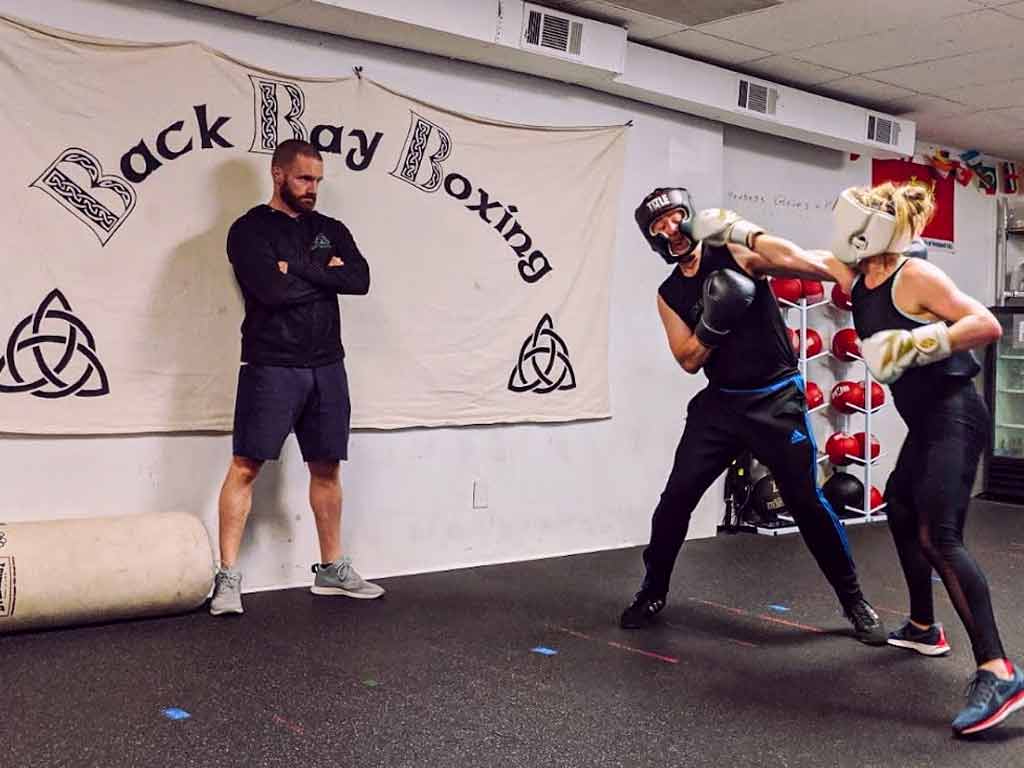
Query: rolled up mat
[(81, 571)]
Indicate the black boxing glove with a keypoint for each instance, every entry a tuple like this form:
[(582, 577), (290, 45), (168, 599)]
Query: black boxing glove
[(727, 295)]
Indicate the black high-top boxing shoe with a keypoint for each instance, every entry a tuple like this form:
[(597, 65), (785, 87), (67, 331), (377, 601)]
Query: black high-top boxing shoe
[(642, 610), (867, 627)]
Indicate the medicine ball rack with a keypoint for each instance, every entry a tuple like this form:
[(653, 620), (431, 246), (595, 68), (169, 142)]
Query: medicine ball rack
[(864, 513)]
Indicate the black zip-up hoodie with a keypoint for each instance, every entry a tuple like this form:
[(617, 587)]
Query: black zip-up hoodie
[(293, 319)]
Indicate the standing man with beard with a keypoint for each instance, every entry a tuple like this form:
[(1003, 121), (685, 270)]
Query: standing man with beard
[(291, 264)]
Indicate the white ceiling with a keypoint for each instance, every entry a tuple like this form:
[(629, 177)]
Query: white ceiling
[(955, 67)]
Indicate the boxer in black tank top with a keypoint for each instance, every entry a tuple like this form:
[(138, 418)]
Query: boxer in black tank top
[(917, 332), (720, 320)]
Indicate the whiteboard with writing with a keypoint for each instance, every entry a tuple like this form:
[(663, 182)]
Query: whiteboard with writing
[(786, 186)]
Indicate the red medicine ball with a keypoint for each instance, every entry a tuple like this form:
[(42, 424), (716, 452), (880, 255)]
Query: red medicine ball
[(841, 298), (840, 395), (815, 397), (876, 447), (846, 345), (876, 498), (814, 343), (840, 447), (813, 290), (794, 340), (787, 289), (877, 395)]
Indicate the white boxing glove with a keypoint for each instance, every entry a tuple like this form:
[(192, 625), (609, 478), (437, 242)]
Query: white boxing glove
[(718, 226), (888, 354)]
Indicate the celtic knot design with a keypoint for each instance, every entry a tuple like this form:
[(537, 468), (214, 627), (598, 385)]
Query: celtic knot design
[(543, 362), (297, 110), (58, 182), (60, 350), (267, 114), (415, 153), (417, 148)]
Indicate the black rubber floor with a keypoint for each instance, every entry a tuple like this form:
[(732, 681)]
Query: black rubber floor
[(751, 666)]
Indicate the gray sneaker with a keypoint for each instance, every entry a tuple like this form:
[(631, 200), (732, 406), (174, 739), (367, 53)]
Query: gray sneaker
[(227, 593), (340, 578)]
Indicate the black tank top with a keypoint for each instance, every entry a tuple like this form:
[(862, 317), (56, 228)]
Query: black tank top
[(874, 310), (757, 352)]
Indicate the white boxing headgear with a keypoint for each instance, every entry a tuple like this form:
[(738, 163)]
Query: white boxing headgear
[(861, 232)]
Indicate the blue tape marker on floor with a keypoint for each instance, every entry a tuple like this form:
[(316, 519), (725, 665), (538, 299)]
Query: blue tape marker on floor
[(936, 578), (173, 713), (778, 608), (544, 651)]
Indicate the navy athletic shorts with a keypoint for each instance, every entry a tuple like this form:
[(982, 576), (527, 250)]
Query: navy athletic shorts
[(274, 400)]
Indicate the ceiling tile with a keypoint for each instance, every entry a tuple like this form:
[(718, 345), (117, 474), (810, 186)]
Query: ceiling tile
[(977, 31), (1008, 93), (862, 90), (692, 12), (643, 29), (805, 23), (966, 131), (955, 72), (690, 42), (640, 27), (922, 103), (971, 130), (1014, 9), (1010, 148), (783, 69), (1013, 115)]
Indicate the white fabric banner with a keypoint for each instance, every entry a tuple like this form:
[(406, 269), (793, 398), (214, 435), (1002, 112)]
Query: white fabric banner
[(489, 244)]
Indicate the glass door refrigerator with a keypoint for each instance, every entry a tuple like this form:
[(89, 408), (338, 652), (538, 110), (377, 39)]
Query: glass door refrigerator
[(1004, 474), (1004, 372)]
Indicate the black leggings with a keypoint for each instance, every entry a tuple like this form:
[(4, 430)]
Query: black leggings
[(772, 422), (927, 494)]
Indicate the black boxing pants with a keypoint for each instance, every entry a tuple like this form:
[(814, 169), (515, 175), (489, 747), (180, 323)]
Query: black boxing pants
[(772, 422)]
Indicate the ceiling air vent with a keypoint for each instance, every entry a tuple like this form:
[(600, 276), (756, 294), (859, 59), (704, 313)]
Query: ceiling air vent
[(554, 32), (883, 130), (757, 98)]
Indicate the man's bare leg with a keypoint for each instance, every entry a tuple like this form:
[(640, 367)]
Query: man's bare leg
[(325, 499), (234, 506)]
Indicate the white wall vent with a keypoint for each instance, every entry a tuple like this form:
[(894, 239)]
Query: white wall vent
[(884, 130), (552, 32), (757, 98)]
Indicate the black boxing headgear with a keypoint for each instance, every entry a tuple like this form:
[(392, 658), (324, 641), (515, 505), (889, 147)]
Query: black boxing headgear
[(659, 202)]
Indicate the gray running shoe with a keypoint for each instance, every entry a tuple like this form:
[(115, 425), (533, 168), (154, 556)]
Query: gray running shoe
[(227, 593), (340, 578)]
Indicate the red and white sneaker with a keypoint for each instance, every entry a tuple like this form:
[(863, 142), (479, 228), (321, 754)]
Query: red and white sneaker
[(930, 642)]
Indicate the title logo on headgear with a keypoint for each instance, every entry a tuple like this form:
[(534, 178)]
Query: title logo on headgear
[(659, 202)]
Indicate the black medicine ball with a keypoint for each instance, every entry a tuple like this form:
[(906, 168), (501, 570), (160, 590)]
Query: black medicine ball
[(844, 489), (766, 504)]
